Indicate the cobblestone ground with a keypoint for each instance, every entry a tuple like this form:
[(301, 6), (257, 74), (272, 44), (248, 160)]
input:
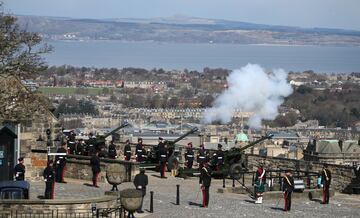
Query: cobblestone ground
[(220, 205)]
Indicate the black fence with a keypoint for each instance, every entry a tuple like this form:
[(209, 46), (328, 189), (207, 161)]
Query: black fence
[(108, 212)]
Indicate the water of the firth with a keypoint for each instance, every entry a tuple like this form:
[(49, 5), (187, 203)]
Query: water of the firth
[(197, 56)]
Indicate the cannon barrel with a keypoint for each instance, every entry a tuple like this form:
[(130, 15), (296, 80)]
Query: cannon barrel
[(195, 129), (263, 138), (115, 130)]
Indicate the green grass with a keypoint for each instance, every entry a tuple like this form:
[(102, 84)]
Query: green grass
[(70, 90)]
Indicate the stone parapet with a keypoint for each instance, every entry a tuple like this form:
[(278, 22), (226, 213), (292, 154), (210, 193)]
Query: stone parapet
[(78, 167), (341, 175)]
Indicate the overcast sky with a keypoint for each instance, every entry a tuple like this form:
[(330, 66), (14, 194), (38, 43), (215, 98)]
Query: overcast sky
[(306, 13)]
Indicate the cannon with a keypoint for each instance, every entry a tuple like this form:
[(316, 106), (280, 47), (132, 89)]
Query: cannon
[(234, 162), (99, 141), (174, 152)]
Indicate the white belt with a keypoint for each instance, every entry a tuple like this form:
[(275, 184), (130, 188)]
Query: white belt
[(139, 150), (163, 155), (190, 155), (72, 142), (128, 151), (219, 158), (201, 157)]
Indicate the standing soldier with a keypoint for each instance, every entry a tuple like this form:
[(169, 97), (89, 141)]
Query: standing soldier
[(49, 180), (90, 144), (71, 143), (162, 157), (112, 150), (139, 150), (19, 170), (326, 180), (205, 182), (80, 147), (202, 156), (60, 164), (95, 167), (189, 156), (140, 182), (288, 188), (260, 179), (218, 158), (127, 150)]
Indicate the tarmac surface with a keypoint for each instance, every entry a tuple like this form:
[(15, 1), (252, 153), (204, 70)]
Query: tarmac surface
[(220, 205)]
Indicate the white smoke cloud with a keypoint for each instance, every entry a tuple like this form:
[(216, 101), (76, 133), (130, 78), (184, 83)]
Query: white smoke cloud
[(251, 89)]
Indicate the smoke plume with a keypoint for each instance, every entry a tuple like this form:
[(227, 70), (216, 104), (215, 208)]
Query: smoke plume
[(251, 89)]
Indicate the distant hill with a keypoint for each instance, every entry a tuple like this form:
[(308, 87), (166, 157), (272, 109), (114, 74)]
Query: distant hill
[(185, 30)]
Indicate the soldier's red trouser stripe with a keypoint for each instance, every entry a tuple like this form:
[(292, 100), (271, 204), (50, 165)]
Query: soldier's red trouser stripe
[(163, 168), (62, 174), (324, 195), (96, 179), (285, 205), (52, 190), (203, 194)]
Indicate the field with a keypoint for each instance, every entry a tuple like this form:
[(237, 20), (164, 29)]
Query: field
[(71, 90)]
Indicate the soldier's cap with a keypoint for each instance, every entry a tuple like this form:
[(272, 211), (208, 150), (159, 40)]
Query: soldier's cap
[(190, 144), (325, 165), (142, 170), (127, 141), (139, 139), (51, 161), (202, 145), (20, 159), (219, 145), (287, 171), (160, 138)]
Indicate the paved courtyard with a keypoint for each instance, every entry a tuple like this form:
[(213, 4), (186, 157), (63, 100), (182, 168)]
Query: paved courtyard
[(221, 205)]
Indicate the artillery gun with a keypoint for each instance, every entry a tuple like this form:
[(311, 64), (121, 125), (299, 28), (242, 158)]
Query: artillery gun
[(234, 162), (99, 141), (174, 152)]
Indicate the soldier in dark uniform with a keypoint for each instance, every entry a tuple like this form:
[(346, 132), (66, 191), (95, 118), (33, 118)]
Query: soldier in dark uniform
[(127, 150), (288, 188), (139, 151), (71, 143), (60, 161), (205, 182), (162, 157), (326, 181), (260, 179), (140, 182), (218, 158), (112, 150), (189, 156), (80, 147), (19, 170), (202, 156), (49, 180), (95, 167), (90, 145)]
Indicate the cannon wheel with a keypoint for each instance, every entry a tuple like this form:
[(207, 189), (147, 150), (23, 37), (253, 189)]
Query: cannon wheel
[(236, 170)]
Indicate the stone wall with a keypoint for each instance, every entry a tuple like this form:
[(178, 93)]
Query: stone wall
[(78, 167), (341, 175)]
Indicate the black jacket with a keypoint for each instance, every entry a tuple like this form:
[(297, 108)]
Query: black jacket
[(141, 180), (205, 176), (61, 160), (189, 154), (202, 156), (162, 153), (19, 172), (49, 174), (127, 150), (95, 164), (288, 184), (326, 177)]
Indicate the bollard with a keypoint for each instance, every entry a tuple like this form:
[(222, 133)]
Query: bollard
[(224, 182), (177, 194), (151, 202), (233, 183), (243, 178)]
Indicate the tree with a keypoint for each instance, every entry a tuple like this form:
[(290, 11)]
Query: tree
[(18, 55)]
